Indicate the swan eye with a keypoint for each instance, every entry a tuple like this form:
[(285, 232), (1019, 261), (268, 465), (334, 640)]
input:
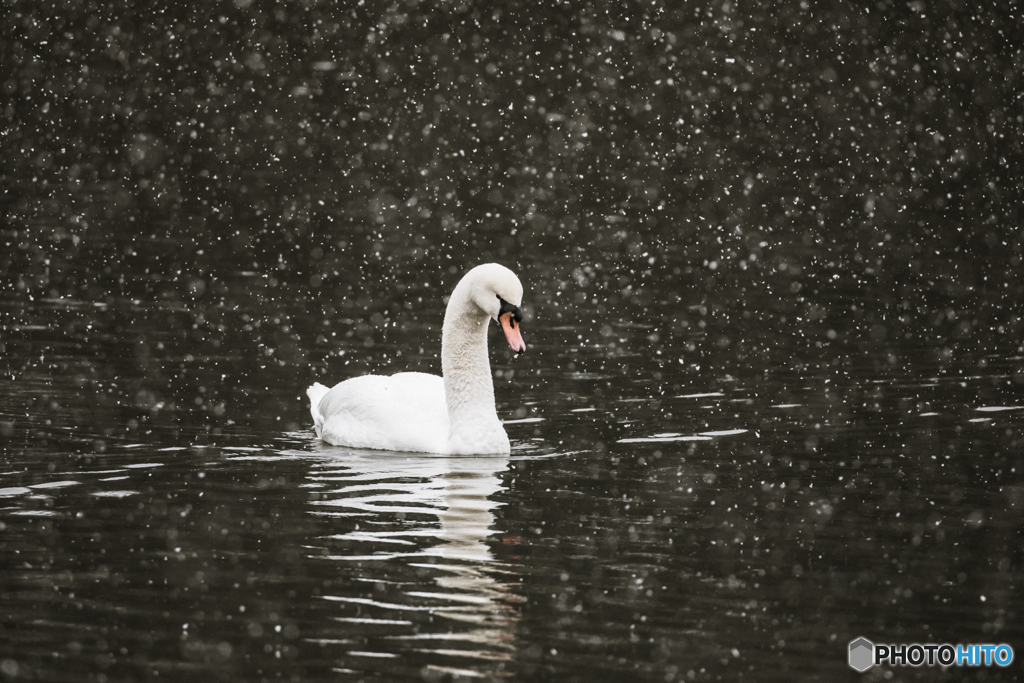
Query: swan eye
[(506, 307)]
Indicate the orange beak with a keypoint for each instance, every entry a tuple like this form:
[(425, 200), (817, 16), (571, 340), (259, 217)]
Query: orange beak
[(511, 329)]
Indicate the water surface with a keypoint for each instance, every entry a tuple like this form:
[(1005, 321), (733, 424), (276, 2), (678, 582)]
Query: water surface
[(774, 393)]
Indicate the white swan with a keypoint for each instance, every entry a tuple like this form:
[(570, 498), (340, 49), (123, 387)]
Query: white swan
[(413, 411)]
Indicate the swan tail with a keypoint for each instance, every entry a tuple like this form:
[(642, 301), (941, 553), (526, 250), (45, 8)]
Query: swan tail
[(316, 394)]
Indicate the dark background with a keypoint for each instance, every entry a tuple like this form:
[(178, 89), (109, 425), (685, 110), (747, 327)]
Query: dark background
[(845, 175), (873, 148)]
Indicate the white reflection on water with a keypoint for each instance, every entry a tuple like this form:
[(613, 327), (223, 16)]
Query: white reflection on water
[(421, 516)]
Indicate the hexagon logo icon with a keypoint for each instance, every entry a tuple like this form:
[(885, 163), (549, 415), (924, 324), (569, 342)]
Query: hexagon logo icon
[(862, 654)]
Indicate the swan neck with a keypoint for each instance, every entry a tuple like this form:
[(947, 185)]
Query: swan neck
[(468, 388), (464, 363)]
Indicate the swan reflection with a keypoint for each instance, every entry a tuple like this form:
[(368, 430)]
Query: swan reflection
[(418, 579)]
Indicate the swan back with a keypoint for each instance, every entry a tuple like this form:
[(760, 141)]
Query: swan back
[(397, 413)]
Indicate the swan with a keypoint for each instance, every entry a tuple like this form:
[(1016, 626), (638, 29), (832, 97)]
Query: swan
[(414, 411)]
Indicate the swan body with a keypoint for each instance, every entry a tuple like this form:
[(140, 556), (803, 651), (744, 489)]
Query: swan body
[(414, 411)]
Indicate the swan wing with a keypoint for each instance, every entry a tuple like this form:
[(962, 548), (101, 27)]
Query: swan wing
[(403, 412)]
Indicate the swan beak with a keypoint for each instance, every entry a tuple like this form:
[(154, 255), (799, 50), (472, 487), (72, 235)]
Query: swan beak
[(512, 334)]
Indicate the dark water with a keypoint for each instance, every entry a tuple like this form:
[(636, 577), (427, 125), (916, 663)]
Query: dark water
[(774, 394)]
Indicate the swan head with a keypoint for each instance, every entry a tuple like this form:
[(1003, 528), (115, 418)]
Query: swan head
[(498, 293)]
